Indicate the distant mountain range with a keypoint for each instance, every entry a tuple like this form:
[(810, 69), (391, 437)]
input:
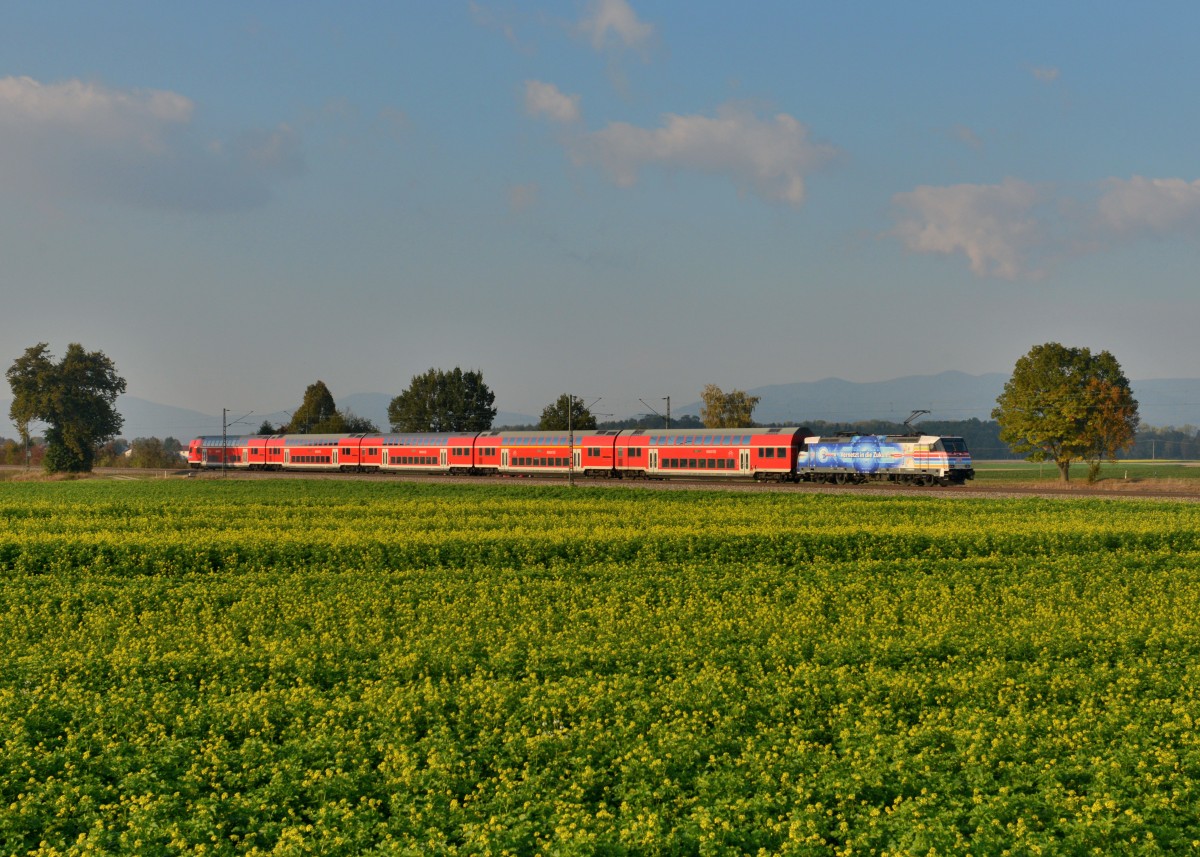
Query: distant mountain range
[(947, 396)]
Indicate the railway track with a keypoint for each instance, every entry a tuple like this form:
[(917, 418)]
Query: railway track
[(1114, 489)]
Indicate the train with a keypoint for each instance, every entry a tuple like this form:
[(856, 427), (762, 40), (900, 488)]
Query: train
[(781, 454)]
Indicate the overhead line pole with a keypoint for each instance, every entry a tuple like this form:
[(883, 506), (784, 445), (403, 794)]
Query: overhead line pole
[(225, 437), (667, 418)]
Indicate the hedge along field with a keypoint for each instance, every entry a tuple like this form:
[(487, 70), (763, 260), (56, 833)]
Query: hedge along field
[(348, 668)]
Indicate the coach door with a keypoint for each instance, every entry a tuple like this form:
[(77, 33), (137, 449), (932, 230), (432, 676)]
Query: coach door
[(744, 461), (654, 461), (442, 458)]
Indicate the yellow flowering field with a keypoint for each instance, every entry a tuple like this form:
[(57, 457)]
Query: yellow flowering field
[(285, 667)]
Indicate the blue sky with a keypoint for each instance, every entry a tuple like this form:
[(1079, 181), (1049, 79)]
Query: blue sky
[(622, 199)]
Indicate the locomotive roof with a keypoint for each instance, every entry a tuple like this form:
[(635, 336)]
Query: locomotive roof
[(892, 438), (720, 432), (502, 433)]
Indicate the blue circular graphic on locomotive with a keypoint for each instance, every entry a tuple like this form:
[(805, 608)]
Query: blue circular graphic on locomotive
[(866, 453)]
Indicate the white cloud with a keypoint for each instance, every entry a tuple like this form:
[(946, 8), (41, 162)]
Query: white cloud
[(768, 157), (1155, 205), (545, 99), (139, 118), (610, 21), (1045, 73), (83, 140), (992, 225)]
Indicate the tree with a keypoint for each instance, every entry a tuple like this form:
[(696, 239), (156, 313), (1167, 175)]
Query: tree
[(1066, 404), (317, 414), (444, 401), (1114, 417), (152, 452), (555, 415), (75, 397), (727, 410), (354, 424)]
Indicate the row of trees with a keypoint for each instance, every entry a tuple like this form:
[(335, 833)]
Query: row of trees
[(1061, 404)]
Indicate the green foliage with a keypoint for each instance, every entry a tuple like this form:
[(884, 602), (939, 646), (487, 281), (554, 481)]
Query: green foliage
[(1181, 442), (319, 414), (354, 424), (16, 452), (566, 412), (1066, 404), (75, 397), (112, 453), (653, 421), (727, 410), (326, 667), (440, 401), (154, 453)]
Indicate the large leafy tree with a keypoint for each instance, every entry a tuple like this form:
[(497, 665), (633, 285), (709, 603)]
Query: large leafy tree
[(319, 414), (734, 409), (1066, 404), (74, 396), (566, 412), (438, 400)]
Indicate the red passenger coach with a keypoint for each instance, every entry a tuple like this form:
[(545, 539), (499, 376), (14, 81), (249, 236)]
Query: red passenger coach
[(440, 452), (541, 453), (311, 451), (219, 451), (761, 453)]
